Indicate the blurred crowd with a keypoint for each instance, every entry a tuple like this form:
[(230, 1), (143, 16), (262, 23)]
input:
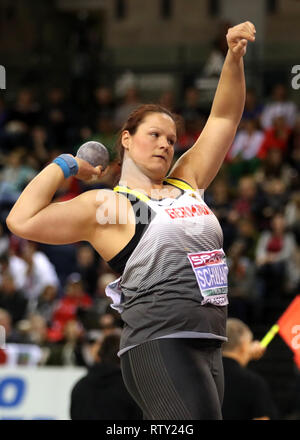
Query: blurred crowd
[(52, 298)]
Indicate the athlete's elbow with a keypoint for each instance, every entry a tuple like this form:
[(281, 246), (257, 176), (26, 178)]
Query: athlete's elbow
[(16, 226), (11, 223)]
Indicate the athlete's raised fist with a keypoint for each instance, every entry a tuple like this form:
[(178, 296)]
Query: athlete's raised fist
[(238, 37)]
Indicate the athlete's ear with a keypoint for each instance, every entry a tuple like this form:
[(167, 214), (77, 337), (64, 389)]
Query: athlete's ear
[(126, 137)]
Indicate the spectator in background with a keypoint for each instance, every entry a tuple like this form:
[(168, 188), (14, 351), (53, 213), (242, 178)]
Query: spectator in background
[(90, 345), (4, 241), (191, 108), (55, 116), (14, 135), (15, 266), (67, 307), (247, 142), (11, 333), (249, 201), (88, 267), (102, 103), (241, 282), (294, 139), (33, 332), (12, 299), (106, 134), (3, 115), (248, 235), (243, 155), (31, 272), (246, 395), (292, 215), (130, 102), (18, 348), (215, 61), (47, 303), (63, 257), (293, 154), (37, 329), (68, 350), (220, 201), (91, 318), (247, 191), (38, 272), (40, 144), (167, 99), (253, 108), (274, 166), (101, 394), (26, 109), (192, 128), (108, 323), (275, 197), (279, 106), (14, 176), (277, 136), (275, 259)]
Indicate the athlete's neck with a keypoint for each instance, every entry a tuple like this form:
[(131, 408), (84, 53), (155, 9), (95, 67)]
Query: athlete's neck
[(134, 178)]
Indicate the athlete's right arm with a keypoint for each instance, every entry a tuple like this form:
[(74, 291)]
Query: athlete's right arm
[(35, 217)]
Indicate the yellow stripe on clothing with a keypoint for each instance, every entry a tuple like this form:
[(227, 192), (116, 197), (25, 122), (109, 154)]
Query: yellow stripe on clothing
[(138, 194), (179, 183), (176, 182)]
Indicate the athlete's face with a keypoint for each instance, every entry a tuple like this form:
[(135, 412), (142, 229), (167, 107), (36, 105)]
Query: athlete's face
[(152, 145)]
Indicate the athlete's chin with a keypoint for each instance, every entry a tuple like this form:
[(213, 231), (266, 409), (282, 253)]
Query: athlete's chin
[(157, 172)]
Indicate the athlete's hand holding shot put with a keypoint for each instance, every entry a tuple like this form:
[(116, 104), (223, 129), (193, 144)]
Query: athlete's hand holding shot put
[(172, 292)]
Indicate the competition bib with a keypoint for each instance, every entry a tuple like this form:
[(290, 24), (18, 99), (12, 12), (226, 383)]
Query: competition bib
[(211, 273)]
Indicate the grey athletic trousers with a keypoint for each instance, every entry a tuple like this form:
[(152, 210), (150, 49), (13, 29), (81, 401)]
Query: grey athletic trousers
[(176, 379)]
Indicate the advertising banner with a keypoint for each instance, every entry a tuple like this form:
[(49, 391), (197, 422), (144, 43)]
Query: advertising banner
[(38, 393)]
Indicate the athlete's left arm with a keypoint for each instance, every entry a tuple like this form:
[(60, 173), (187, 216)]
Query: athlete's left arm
[(200, 164)]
